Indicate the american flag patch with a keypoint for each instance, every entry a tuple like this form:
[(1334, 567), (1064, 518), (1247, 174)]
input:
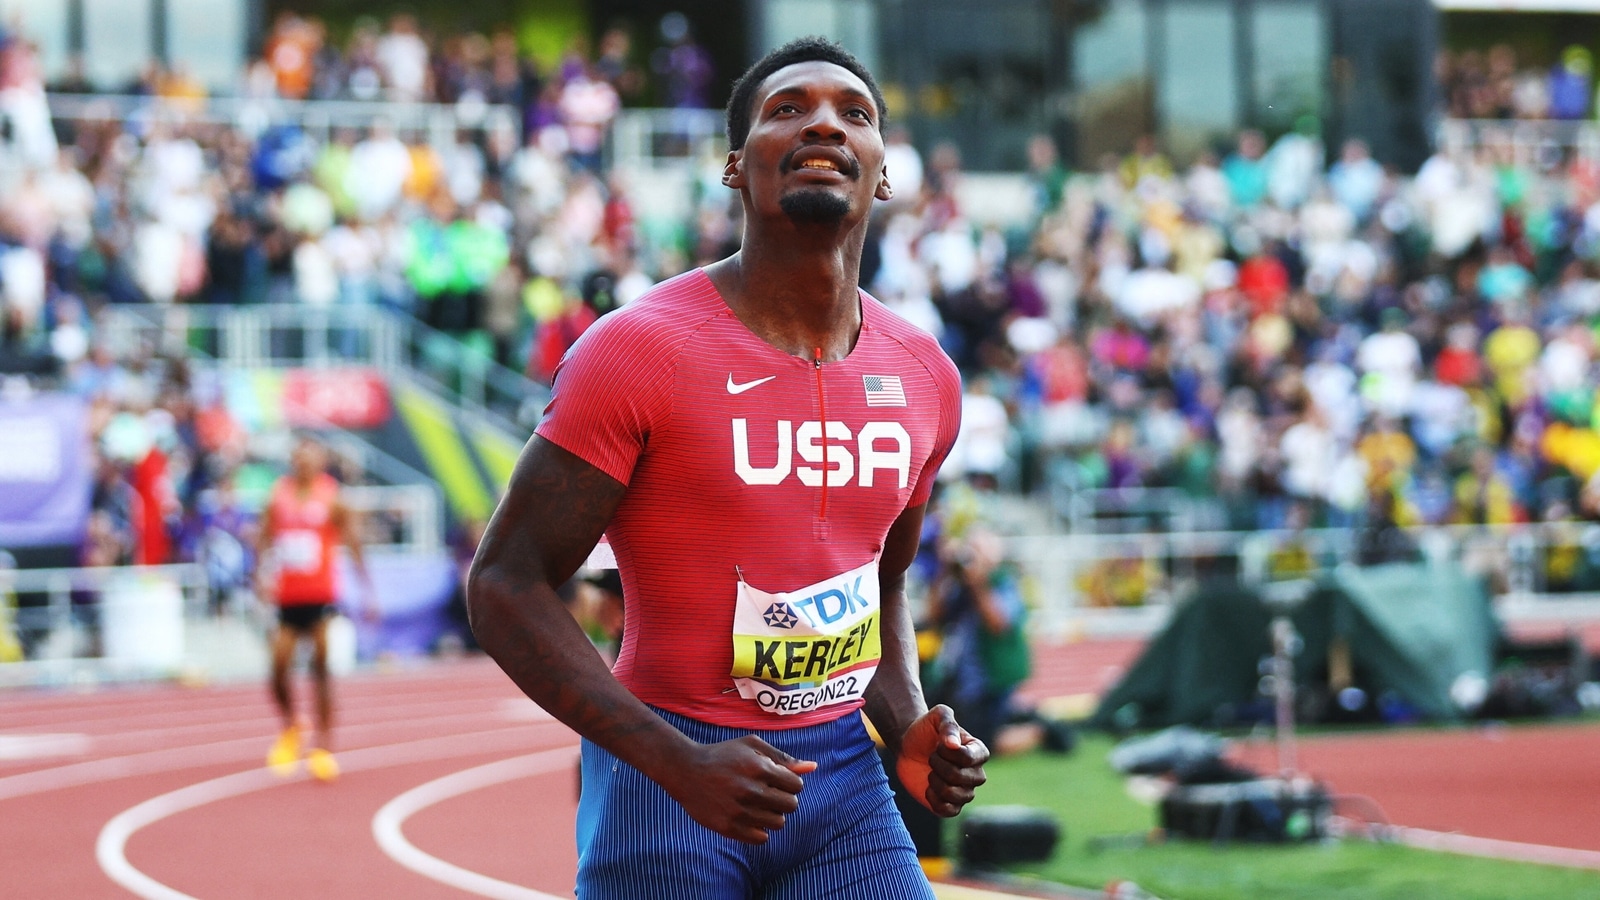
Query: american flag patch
[(884, 390)]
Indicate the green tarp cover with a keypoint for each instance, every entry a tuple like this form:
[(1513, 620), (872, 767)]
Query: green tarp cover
[(1411, 629)]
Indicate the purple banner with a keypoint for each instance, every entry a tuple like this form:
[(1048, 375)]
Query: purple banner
[(412, 591), (45, 470)]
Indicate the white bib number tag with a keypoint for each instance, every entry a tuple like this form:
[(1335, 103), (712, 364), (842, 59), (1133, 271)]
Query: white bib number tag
[(299, 550), (809, 648)]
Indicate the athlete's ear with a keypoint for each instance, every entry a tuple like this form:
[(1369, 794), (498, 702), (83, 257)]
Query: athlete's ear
[(884, 191), (733, 170)]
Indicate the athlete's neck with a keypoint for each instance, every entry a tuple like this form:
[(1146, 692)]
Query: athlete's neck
[(796, 289)]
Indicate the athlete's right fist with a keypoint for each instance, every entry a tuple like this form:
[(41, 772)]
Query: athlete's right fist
[(740, 789)]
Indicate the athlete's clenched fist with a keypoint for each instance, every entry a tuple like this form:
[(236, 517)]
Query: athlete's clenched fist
[(740, 789), (941, 764)]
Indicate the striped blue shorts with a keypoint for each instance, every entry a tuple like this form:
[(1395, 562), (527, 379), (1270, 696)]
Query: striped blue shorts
[(845, 842)]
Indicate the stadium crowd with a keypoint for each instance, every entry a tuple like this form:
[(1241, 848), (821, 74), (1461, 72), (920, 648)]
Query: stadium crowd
[(1492, 84), (1298, 341)]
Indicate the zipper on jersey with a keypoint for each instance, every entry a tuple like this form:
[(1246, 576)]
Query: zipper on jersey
[(822, 409)]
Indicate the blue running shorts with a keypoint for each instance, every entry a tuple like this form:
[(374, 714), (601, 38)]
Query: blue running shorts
[(845, 842)]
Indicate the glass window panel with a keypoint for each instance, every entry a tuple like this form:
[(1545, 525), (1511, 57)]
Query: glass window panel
[(44, 22), (981, 84), (852, 23), (1113, 83), (1199, 93), (207, 38), (117, 43), (1290, 58)]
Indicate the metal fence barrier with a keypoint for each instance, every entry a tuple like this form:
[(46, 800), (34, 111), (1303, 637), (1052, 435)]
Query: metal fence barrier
[(438, 122), (293, 335), (1527, 142), (666, 138), (58, 626)]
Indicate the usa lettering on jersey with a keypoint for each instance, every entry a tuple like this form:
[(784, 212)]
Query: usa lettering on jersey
[(879, 447)]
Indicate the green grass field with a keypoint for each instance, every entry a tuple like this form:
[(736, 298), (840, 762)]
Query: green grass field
[(1090, 801)]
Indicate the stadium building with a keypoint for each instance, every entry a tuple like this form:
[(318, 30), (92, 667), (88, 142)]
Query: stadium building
[(1094, 73)]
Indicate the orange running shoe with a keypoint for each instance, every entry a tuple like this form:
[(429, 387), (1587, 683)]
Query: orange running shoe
[(321, 764), (284, 757)]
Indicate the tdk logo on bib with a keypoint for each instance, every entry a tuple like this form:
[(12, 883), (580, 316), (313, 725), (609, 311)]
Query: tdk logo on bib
[(779, 615), (833, 604)]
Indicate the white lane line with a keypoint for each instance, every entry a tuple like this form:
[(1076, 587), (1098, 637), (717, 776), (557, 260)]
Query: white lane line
[(26, 746), (110, 848), (387, 825), (1493, 848), (174, 758), (151, 710), (266, 722)]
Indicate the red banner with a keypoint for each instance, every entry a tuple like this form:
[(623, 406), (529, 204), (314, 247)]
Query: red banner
[(346, 398)]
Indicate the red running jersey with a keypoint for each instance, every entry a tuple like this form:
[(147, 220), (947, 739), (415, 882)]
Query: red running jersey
[(305, 540), (731, 473)]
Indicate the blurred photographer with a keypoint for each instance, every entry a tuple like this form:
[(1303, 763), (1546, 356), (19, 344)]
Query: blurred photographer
[(976, 605)]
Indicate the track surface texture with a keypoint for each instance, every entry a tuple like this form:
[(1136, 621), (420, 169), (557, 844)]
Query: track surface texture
[(455, 785)]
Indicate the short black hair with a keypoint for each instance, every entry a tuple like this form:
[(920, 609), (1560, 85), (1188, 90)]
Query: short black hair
[(799, 50)]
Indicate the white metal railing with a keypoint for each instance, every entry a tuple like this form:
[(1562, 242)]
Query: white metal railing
[(404, 517), (1078, 575), (293, 335), (1530, 142), (122, 621), (1101, 510), (254, 115), (665, 138)]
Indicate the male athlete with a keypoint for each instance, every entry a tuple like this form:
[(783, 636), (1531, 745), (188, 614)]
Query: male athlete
[(758, 440), (301, 529)]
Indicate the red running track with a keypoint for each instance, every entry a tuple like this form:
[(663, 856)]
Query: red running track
[(284, 838), (91, 761), (1529, 784), (169, 782)]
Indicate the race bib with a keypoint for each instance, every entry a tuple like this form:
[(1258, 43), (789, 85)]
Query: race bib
[(299, 550), (809, 648)]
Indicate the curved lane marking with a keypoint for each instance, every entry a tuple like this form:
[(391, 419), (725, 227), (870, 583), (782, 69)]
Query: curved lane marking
[(388, 823), (111, 846), (171, 759), (1494, 848), (267, 722), (151, 712)]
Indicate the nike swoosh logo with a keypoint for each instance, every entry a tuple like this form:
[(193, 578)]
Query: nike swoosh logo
[(741, 388)]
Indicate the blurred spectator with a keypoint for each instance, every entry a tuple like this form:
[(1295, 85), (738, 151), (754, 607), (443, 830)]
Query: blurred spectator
[(1569, 84), (1356, 180), (291, 52), (403, 56), (903, 164), (976, 606), (684, 65), (1246, 171), (588, 104)]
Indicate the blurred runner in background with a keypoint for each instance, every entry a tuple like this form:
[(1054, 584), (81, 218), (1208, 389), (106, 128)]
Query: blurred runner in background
[(301, 529)]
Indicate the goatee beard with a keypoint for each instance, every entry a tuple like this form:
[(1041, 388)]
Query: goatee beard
[(814, 206)]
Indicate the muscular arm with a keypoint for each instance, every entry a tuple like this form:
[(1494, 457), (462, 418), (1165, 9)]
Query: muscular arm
[(551, 517), (553, 514), (266, 533), (348, 522), (940, 764), (894, 698)]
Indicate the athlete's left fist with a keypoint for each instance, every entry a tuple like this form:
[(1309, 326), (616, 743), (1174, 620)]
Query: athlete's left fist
[(941, 764)]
